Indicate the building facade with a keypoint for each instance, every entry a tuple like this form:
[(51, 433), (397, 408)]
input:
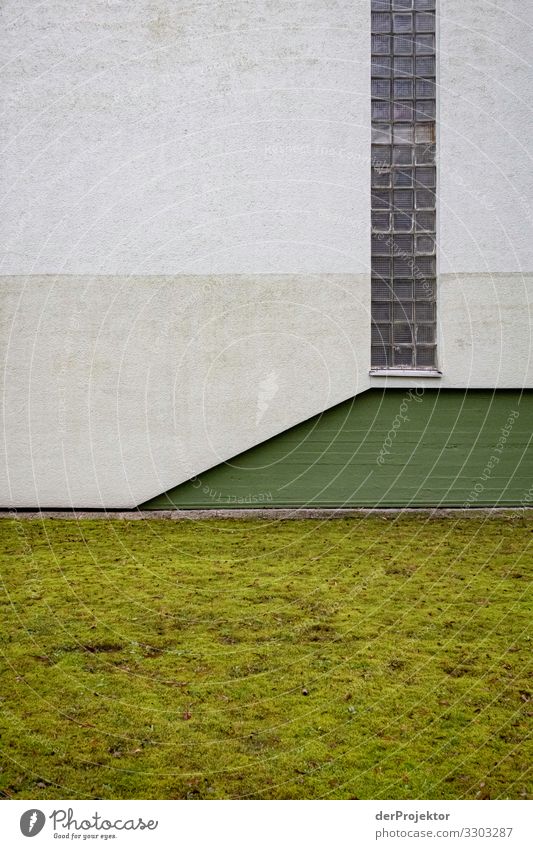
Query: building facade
[(266, 253)]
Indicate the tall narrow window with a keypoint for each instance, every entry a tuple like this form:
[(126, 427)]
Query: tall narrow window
[(403, 184)]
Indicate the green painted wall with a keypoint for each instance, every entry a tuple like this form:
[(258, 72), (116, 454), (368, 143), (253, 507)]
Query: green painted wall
[(383, 449)]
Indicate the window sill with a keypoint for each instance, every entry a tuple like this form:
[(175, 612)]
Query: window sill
[(399, 372)]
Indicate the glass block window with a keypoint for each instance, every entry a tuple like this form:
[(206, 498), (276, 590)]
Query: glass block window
[(403, 181)]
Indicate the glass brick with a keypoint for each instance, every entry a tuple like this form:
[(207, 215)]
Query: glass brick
[(402, 45), (381, 291), (425, 333), (425, 66), (402, 5), (425, 289), (402, 244), (381, 134), (425, 110), (426, 221), (402, 222), (402, 333), (403, 66), (380, 5), (403, 178), (381, 44), (425, 199), (425, 266), (381, 266), (381, 356), (402, 356), (425, 154), (403, 199), (403, 267), (424, 311), (380, 246), (381, 200), (403, 110), (402, 23), (425, 22), (403, 311), (380, 179), (381, 89), (425, 245), (425, 177), (403, 88), (381, 155), (381, 311), (403, 134), (381, 66), (380, 110), (381, 221), (424, 5), (424, 133), (425, 44), (402, 155), (425, 88), (402, 290), (381, 22), (381, 333), (425, 356)]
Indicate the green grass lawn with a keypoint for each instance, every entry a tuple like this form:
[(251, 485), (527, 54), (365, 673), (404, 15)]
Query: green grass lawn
[(354, 658)]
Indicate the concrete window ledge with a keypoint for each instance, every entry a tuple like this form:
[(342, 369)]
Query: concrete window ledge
[(397, 372)]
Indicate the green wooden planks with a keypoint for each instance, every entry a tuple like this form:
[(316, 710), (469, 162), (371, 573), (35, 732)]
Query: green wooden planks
[(391, 448)]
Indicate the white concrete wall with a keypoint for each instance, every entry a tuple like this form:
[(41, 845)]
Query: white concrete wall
[(186, 229), (485, 133), (117, 389), (205, 137)]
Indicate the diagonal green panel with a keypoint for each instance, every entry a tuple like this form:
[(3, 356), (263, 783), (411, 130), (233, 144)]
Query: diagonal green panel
[(391, 448)]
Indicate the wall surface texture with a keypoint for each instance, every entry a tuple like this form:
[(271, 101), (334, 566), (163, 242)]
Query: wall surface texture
[(116, 390), (185, 230), (163, 137)]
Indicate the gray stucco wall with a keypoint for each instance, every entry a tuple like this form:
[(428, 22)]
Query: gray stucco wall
[(162, 137), (186, 229), (485, 131)]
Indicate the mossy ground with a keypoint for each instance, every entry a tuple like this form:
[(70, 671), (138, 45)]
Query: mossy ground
[(356, 658)]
